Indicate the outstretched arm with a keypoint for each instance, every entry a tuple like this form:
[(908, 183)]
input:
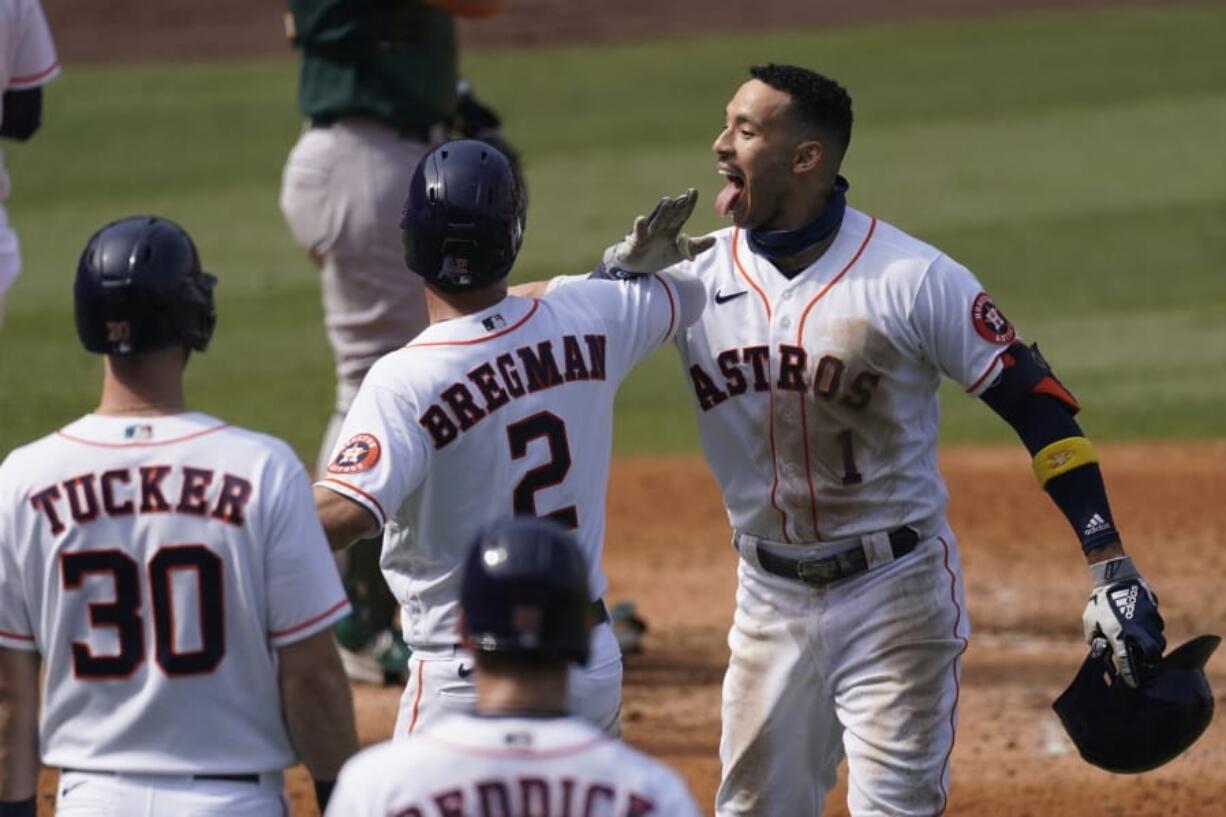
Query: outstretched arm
[(1122, 610)]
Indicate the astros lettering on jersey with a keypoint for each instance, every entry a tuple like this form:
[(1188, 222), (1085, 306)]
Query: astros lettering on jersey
[(155, 563), (816, 396)]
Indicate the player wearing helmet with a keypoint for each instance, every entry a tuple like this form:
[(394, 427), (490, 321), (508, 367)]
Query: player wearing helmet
[(524, 615), (502, 406), (168, 570)]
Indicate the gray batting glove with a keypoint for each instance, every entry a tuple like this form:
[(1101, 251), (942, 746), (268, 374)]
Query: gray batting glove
[(1122, 614), (656, 241)]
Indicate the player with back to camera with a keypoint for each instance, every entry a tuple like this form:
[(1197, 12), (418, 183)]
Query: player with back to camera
[(168, 570), (502, 406), (378, 87), (814, 371), (524, 616)]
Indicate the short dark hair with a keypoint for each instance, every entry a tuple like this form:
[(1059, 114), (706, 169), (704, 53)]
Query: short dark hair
[(817, 100)]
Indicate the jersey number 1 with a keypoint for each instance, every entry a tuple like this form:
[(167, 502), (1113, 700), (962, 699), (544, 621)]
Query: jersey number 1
[(550, 427), (124, 612)]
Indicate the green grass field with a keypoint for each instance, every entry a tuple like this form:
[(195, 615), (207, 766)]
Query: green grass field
[(1074, 161)]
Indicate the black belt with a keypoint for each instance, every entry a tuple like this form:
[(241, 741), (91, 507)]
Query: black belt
[(823, 571), (417, 133), (600, 613), (228, 778)]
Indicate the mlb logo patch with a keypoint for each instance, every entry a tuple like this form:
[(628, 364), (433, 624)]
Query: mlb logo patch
[(494, 323), (142, 431)]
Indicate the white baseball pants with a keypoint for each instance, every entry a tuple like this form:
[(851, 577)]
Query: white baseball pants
[(868, 667)]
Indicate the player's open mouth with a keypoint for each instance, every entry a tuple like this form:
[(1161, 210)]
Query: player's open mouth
[(728, 198)]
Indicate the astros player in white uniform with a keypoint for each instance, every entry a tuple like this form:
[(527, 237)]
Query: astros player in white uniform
[(524, 617), (815, 370), (27, 62), (169, 571), (502, 406)]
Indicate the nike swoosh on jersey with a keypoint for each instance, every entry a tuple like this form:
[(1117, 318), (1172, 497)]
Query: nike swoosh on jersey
[(464, 671), (721, 298)]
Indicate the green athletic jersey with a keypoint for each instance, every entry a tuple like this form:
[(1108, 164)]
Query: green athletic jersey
[(393, 60)]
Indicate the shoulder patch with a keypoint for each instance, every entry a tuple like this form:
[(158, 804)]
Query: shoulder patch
[(360, 453), (990, 322)]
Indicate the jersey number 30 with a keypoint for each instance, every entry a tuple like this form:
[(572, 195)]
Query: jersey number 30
[(123, 612), (550, 427)]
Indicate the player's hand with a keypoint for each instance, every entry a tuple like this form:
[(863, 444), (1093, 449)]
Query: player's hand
[(1122, 614), (656, 241)]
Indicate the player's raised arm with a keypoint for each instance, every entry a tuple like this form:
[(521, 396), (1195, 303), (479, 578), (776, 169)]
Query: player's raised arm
[(655, 243)]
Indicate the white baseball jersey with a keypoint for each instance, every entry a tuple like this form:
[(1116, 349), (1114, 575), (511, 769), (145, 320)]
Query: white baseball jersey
[(497, 766), (507, 411), (155, 564), (816, 397), (27, 60)]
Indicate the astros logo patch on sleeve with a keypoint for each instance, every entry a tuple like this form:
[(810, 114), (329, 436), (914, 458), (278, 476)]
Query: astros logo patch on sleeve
[(359, 454), (990, 322)]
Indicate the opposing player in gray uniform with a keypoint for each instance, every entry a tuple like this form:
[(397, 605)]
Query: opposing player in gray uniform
[(169, 571), (524, 617), (378, 86)]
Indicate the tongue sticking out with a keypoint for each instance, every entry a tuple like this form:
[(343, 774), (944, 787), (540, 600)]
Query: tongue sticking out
[(728, 197)]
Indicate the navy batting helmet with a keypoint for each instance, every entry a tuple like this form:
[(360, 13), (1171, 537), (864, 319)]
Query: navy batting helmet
[(140, 287), (1127, 730), (524, 590), (464, 218)]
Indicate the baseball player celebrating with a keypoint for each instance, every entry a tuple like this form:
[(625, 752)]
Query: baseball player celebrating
[(524, 615), (502, 406), (814, 371), (169, 570), (27, 62)]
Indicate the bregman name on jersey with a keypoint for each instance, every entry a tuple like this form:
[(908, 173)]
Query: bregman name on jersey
[(509, 376)]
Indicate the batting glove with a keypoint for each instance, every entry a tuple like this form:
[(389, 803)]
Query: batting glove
[(1122, 614), (656, 241)]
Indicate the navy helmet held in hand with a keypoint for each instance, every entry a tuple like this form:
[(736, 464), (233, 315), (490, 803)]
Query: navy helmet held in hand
[(1127, 730), (463, 220), (524, 590), (140, 288)]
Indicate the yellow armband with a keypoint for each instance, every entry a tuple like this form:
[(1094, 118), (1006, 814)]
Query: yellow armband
[(1061, 457)]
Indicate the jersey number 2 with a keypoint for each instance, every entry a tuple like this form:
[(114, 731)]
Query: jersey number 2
[(550, 427), (124, 611)]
